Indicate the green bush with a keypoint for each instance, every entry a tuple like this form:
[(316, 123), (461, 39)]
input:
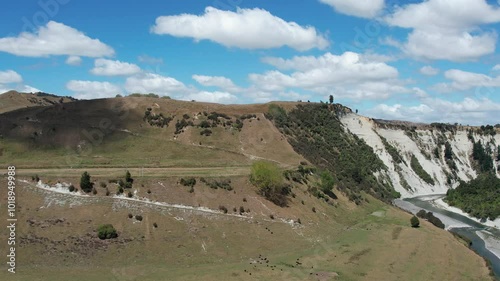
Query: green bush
[(269, 179), (71, 188), (414, 221), (106, 231), (85, 184), (188, 181), (138, 217)]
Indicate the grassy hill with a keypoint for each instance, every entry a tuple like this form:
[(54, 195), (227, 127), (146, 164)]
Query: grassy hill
[(203, 232), (13, 100)]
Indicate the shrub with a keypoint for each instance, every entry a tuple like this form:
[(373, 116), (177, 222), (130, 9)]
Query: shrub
[(188, 181), (242, 210), (223, 209), (128, 177), (271, 216), (120, 190), (244, 199), (149, 191), (314, 210), (215, 184), (414, 221), (71, 188), (422, 214), (204, 124), (235, 210), (138, 217), (85, 183), (106, 231), (130, 215), (129, 194), (107, 192), (298, 221), (269, 179), (155, 225), (206, 132)]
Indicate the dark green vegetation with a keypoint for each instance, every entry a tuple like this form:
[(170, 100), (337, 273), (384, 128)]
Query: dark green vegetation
[(480, 197), (218, 183), (106, 231), (392, 151), (85, 184), (429, 216), (415, 165), (483, 157), (414, 221), (315, 132), (270, 181)]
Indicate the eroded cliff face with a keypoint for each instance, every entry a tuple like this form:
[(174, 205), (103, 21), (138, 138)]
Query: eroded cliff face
[(405, 143)]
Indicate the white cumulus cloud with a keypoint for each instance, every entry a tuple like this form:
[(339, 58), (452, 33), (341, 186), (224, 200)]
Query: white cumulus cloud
[(429, 70), (154, 83), (74, 60), (360, 8), (105, 67), (349, 75), (447, 29), (245, 28), (54, 39), (10, 76), (93, 89), (216, 81), (213, 97)]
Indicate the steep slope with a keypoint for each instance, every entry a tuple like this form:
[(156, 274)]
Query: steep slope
[(427, 145), (13, 100)]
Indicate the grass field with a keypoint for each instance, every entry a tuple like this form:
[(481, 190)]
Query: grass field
[(372, 242)]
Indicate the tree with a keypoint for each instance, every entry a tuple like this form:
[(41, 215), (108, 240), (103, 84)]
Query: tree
[(331, 99), (106, 231), (327, 181), (448, 152), (85, 183), (270, 181), (128, 177), (414, 221)]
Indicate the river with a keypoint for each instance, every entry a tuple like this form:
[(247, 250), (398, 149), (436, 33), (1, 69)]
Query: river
[(485, 239)]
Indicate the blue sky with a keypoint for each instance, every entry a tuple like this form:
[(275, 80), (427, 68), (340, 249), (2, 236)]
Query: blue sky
[(429, 61)]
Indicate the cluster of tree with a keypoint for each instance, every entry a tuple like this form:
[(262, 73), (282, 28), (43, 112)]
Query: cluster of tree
[(480, 197), (315, 132), (248, 116), (487, 130), (443, 127), (215, 183), (181, 124), (419, 170), (158, 120), (268, 178), (429, 216), (483, 157), (150, 95)]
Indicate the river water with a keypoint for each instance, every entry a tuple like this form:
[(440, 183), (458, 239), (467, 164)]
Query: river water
[(486, 245)]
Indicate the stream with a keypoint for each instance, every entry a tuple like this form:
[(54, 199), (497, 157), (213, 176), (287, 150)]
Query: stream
[(485, 239)]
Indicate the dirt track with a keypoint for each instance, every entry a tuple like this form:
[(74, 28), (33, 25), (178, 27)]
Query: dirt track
[(138, 171)]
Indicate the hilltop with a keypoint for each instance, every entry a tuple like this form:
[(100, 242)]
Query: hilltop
[(13, 100)]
